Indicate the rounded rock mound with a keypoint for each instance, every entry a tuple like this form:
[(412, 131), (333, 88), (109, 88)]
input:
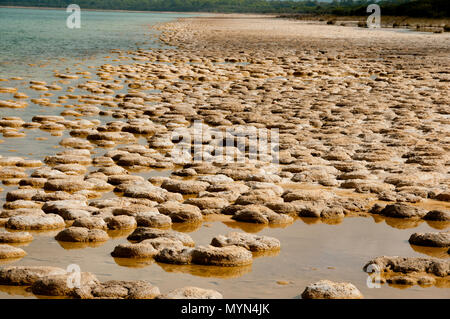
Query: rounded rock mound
[(326, 289)]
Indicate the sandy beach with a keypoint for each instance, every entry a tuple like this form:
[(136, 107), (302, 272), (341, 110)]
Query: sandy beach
[(250, 157)]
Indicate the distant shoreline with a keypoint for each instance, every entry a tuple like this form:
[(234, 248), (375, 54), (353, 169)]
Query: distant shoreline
[(106, 10)]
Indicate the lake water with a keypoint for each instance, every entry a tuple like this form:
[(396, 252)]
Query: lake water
[(41, 37)]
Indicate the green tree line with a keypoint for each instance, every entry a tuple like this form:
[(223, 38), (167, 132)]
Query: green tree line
[(412, 8)]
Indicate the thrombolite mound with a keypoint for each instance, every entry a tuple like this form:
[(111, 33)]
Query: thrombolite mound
[(191, 293), (410, 270), (142, 233), (180, 213), (326, 289), (26, 275), (138, 250), (227, 256), (15, 237), (139, 289), (250, 242), (402, 211), (441, 239), (64, 284), (10, 252), (30, 222), (260, 215), (82, 234)]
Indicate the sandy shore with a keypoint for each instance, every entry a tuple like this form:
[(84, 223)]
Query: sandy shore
[(327, 123)]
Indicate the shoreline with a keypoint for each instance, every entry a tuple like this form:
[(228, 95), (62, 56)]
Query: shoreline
[(101, 10)]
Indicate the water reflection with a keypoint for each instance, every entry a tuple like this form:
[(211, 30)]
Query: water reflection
[(207, 271)]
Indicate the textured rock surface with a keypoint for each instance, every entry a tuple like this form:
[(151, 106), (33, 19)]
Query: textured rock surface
[(326, 289), (49, 221), (431, 239), (8, 251), (81, 234), (248, 241), (221, 256), (26, 275)]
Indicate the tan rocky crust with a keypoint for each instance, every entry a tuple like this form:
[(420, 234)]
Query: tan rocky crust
[(411, 270), (441, 239), (250, 242), (326, 289), (142, 233), (11, 252), (63, 285), (229, 256), (81, 234), (15, 237), (191, 293), (30, 222), (139, 289), (26, 275)]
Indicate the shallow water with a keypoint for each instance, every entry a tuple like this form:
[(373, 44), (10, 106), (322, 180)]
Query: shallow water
[(41, 37), (310, 251)]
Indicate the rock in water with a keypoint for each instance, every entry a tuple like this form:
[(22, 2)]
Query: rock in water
[(326, 289), (192, 293)]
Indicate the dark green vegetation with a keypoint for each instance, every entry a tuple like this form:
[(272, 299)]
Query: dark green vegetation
[(411, 8)]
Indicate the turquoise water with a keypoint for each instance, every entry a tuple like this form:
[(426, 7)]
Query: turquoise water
[(41, 36), (36, 42)]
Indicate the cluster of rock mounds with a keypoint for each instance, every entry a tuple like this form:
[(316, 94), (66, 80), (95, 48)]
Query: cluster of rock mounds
[(54, 281), (232, 250), (410, 270)]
